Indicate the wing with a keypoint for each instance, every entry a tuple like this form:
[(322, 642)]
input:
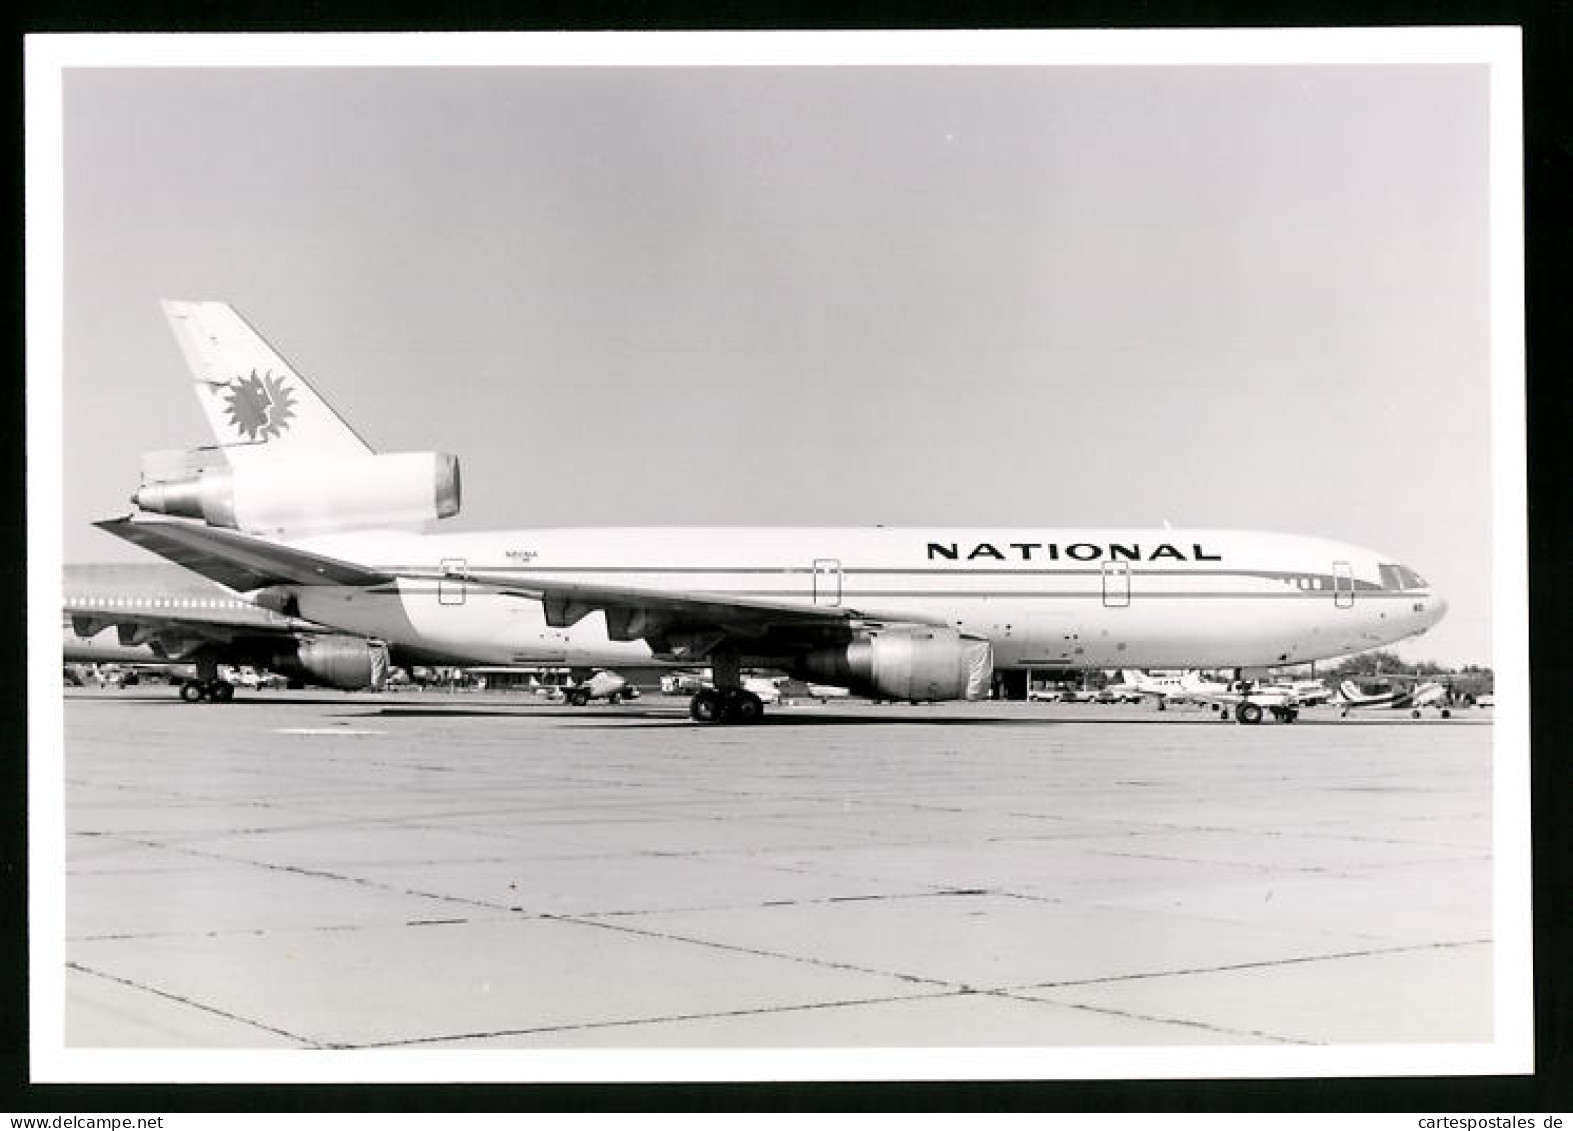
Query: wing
[(180, 632), (686, 625), (674, 623)]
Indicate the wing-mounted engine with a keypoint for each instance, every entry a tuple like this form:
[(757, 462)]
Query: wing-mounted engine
[(300, 496), (906, 662), (344, 662)]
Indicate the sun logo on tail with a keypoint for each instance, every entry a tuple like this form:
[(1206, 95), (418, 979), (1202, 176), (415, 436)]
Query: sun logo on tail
[(261, 407)]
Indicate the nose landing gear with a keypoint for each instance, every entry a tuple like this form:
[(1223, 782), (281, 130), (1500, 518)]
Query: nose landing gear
[(1248, 713)]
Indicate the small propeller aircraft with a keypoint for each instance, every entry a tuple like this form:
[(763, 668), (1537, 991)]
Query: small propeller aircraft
[(1422, 691)]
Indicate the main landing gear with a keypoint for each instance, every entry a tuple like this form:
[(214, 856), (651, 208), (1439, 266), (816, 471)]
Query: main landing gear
[(727, 701), (729, 705), (207, 691), (208, 687)]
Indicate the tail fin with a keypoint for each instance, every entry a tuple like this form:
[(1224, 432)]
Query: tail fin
[(256, 404)]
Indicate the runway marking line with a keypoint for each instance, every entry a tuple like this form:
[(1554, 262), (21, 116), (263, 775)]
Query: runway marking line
[(335, 731)]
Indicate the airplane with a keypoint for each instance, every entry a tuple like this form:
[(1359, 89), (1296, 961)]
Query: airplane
[(317, 530), (1247, 701), (155, 615), (1187, 687), (1421, 692)]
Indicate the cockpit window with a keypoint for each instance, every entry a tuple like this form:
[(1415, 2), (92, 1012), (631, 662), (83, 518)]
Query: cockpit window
[(1400, 577)]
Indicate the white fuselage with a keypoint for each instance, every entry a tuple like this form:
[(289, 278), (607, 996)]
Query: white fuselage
[(1045, 598)]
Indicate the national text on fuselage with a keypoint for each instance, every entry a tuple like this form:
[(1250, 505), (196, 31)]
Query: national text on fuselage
[(1074, 551)]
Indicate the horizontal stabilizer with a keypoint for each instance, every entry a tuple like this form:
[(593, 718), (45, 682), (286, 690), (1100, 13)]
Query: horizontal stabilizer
[(236, 560)]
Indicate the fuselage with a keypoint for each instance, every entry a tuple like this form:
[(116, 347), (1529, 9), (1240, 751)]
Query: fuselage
[(1045, 599)]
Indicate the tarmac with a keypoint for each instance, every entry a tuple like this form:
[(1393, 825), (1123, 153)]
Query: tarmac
[(426, 870)]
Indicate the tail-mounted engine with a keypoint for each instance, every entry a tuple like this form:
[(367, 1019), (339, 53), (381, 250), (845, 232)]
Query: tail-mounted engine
[(298, 496), (909, 662)]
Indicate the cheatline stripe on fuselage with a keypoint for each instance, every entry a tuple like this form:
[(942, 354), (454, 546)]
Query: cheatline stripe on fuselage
[(1329, 582), (412, 589), (893, 571)]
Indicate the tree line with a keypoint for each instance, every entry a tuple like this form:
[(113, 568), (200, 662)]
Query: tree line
[(1372, 664)]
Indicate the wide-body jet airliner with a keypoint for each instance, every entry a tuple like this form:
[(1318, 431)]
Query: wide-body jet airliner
[(899, 613)]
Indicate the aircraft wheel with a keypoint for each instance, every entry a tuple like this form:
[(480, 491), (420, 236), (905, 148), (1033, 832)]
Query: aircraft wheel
[(1248, 713), (192, 692), (1446, 714), (221, 692), (705, 706), (744, 707), (578, 698)]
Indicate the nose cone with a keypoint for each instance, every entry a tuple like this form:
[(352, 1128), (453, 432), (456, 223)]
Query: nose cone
[(1428, 612)]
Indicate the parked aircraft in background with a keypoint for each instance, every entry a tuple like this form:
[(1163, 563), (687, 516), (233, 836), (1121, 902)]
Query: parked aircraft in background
[(152, 614), (299, 515), (1420, 692), (1247, 701), (1186, 687)]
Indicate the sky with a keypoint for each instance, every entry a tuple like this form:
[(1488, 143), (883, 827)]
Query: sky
[(1026, 296)]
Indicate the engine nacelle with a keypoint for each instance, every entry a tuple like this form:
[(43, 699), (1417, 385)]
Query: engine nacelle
[(294, 496), (344, 662), (906, 662)]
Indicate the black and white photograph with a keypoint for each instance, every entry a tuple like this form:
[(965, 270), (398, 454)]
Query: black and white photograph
[(777, 556)]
